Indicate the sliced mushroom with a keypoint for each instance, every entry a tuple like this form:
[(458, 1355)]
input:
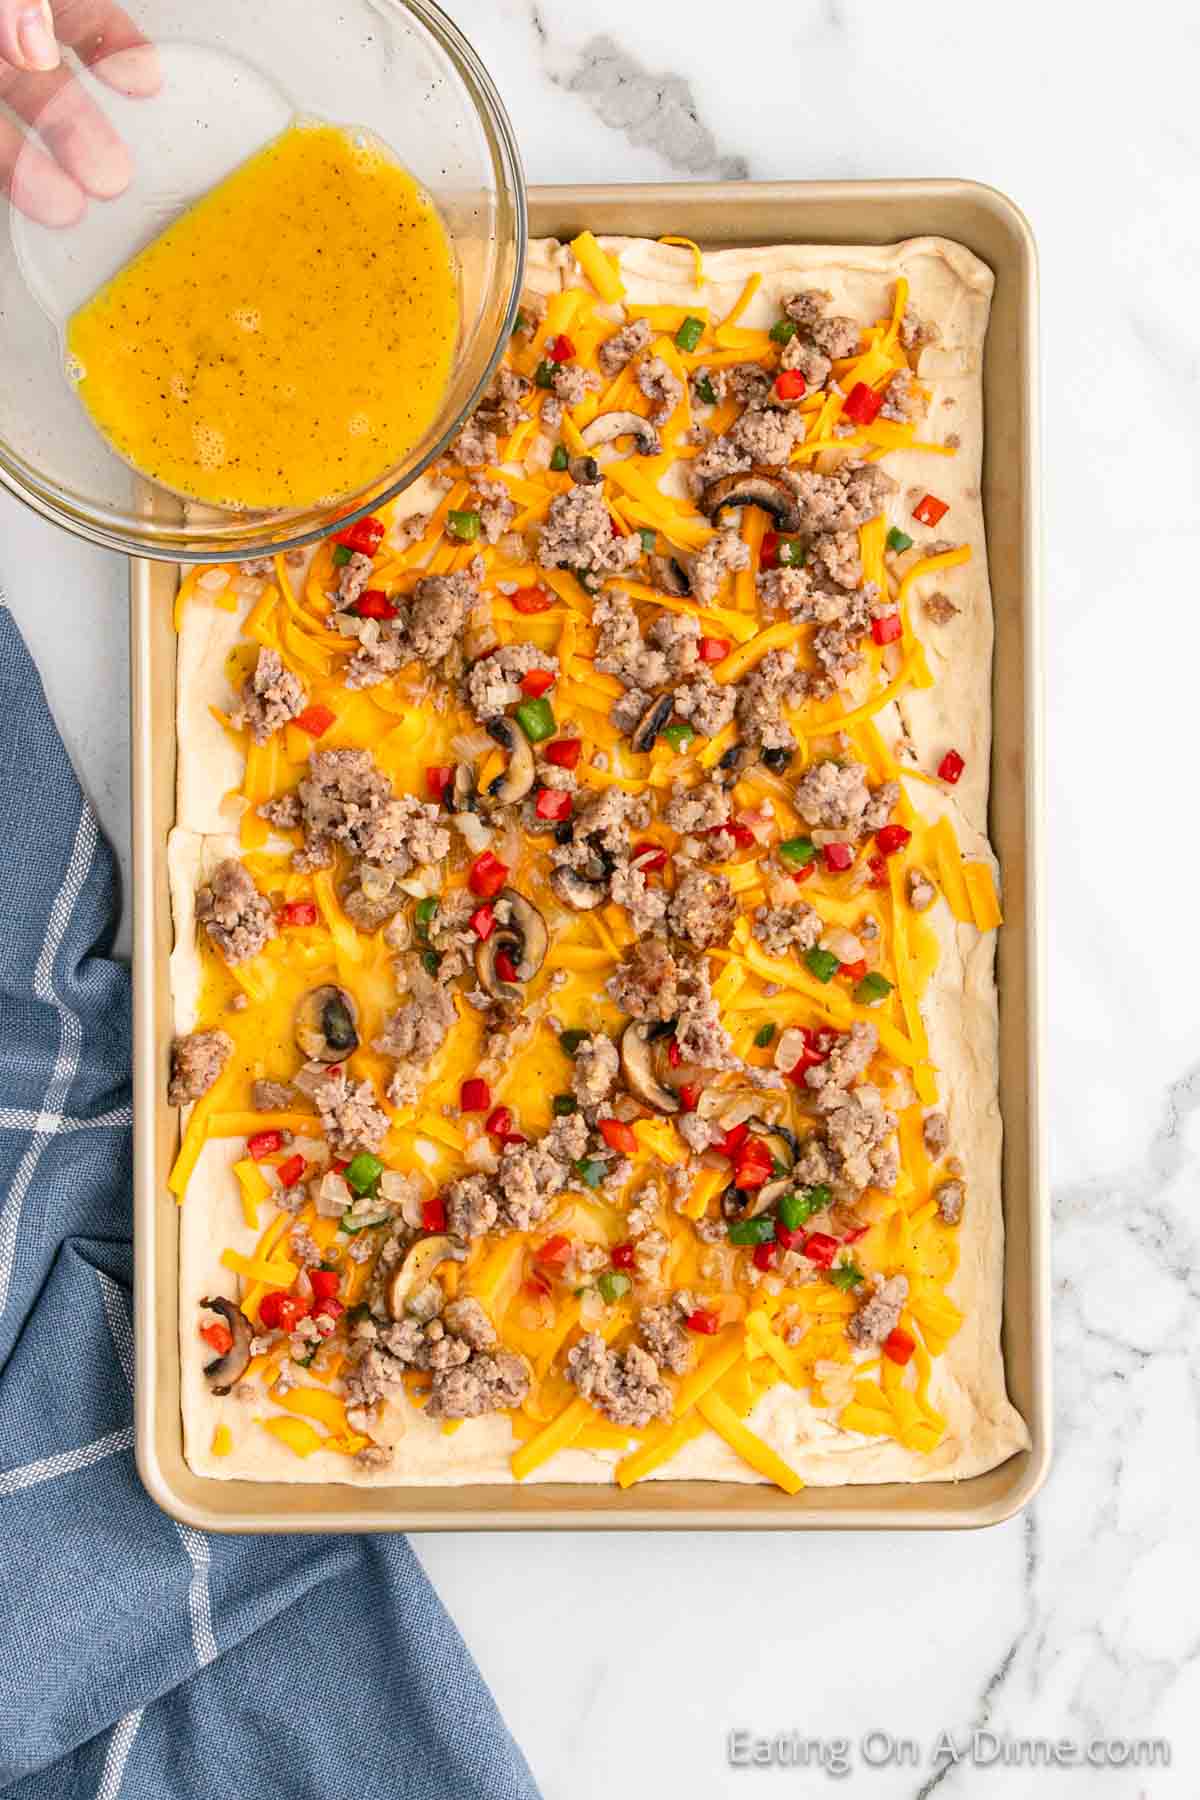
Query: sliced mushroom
[(416, 1271), (524, 939), (517, 779), (608, 427), (575, 890), (464, 791), (326, 1025), (766, 1197), (736, 758), (776, 760), (490, 978), (637, 1066), (657, 715), (779, 1141), (222, 1373), (757, 487), (584, 471), (529, 927), (670, 576)]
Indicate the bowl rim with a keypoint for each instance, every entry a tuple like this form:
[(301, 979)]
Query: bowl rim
[(23, 481)]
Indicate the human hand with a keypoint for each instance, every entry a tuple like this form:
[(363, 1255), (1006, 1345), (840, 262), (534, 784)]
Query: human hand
[(76, 153)]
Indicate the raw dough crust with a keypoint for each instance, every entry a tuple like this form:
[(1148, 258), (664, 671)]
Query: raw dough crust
[(951, 287)]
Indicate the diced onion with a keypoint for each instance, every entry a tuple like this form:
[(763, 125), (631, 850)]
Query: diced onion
[(837, 1380), (789, 1049), (480, 1155), (476, 835), (467, 745), (591, 1309), (333, 1196), (509, 850), (213, 580), (843, 944)]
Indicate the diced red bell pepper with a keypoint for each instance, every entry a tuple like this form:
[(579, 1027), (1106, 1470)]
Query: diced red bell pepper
[(298, 912), (264, 1143), (487, 876), (898, 1346), (291, 1171), (618, 1136), (689, 1096), (768, 551), (564, 753), (788, 1240), (531, 600), (483, 922), (499, 1123), (878, 875), (474, 1095), (838, 857), (536, 1286), (326, 1316), (704, 1321), (649, 858), (554, 1252), (561, 349), (280, 1311), (364, 536), (806, 872), (339, 1165), (324, 1283), (853, 971), (764, 1257), (852, 1237), (374, 604), (862, 404), (790, 384), (742, 835), (713, 649), (552, 803), (820, 1248), (438, 779), (754, 1165), (623, 1256), (217, 1336), (930, 510), (890, 838), (537, 683), (506, 968), (809, 1057), (733, 1140), (951, 767), (433, 1214), (674, 1053), (315, 719), (886, 628)]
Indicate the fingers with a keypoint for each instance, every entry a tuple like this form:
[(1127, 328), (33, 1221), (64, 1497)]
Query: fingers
[(108, 42), (36, 184), (73, 129), (27, 38)]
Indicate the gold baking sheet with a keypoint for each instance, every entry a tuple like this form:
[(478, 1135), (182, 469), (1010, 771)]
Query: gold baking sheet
[(715, 216)]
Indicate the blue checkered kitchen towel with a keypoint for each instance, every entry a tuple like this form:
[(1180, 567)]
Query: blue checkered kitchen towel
[(139, 1658)]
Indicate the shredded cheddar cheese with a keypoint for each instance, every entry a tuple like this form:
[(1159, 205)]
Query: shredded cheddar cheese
[(644, 1231)]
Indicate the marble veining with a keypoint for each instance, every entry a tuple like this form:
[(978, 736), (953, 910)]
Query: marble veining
[(623, 1663), (652, 110)]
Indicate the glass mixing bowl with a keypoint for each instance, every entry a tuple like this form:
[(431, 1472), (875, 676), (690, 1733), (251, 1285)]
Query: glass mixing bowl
[(232, 76)]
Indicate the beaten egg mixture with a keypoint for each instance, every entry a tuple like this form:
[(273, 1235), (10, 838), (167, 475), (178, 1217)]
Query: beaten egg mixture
[(287, 340)]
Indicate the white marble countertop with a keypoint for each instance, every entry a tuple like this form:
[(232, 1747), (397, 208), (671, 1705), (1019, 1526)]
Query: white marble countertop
[(622, 1662)]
